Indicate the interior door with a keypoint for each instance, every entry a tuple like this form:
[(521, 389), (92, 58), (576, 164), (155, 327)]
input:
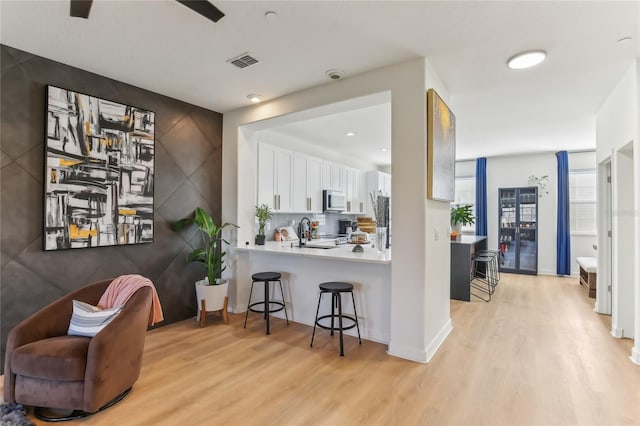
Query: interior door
[(527, 230)]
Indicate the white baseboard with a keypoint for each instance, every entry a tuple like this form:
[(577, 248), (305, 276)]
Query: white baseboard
[(617, 332), (407, 352), (418, 355), (635, 355), (435, 343)]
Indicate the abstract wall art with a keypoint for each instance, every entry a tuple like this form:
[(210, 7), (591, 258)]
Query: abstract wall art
[(99, 169), (441, 149)]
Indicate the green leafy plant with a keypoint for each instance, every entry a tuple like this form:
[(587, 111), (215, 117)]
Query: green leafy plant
[(263, 213), (462, 215), (211, 254)]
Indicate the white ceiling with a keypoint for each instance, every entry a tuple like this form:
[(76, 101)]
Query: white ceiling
[(164, 47)]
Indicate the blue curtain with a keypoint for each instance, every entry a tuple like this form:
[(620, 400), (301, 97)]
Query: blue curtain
[(563, 242), (481, 196)]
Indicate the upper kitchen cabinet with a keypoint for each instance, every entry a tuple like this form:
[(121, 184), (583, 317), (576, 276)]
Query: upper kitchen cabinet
[(274, 177), (307, 184), (332, 176), (379, 181), (354, 190)]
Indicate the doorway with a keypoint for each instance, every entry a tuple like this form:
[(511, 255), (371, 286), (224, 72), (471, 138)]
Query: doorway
[(623, 248)]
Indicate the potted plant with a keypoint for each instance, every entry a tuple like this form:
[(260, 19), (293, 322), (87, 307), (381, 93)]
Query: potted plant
[(263, 213), (211, 292), (460, 215)]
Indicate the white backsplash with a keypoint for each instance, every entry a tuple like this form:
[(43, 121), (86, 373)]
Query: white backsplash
[(328, 222)]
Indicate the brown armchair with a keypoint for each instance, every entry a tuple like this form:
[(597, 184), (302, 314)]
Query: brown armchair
[(44, 367)]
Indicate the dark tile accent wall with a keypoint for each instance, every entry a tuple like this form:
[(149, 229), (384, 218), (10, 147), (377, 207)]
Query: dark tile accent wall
[(188, 173)]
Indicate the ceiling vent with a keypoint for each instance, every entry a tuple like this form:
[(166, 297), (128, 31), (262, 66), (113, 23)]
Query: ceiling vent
[(243, 61)]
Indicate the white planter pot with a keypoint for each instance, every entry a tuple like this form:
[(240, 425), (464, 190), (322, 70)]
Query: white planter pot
[(213, 295)]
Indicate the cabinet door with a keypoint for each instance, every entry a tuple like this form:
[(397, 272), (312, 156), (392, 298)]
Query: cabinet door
[(387, 184), (348, 186), (299, 184), (356, 192), (284, 160), (266, 176), (314, 183), (332, 177)]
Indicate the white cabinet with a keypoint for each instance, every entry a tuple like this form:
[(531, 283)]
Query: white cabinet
[(274, 177), (332, 176), (307, 184), (377, 181), (354, 190)]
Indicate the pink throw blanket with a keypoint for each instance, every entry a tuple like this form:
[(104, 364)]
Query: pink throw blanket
[(123, 287)]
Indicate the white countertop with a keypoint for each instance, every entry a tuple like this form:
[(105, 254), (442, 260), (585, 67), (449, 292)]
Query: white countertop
[(342, 252)]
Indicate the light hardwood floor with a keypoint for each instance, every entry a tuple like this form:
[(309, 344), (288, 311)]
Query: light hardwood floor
[(536, 355)]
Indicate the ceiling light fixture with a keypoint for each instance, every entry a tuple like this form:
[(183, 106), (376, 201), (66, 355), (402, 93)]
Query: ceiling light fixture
[(350, 134), (623, 39), (384, 150), (526, 59), (254, 98)]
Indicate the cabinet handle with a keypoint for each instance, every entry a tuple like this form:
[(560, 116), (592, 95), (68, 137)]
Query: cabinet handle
[(361, 207), (275, 201), (278, 201), (348, 206), (308, 203)]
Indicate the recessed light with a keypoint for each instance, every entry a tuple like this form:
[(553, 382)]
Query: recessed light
[(350, 134), (384, 150), (623, 39), (254, 98), (526, 59)]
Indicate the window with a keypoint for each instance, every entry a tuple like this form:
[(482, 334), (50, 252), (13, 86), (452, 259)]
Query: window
[(582, 201), (466, 194)]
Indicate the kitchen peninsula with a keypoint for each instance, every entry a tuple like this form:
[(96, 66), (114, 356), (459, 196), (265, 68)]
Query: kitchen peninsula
[(304, 268)]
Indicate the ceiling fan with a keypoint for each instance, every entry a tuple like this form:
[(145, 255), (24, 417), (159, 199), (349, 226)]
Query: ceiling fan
[(81, 8)]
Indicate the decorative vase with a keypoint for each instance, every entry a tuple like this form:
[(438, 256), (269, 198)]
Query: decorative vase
[(381, 239), (260, 240)]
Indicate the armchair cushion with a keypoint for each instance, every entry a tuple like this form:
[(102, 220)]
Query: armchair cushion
[(87, 320), (57, 358)]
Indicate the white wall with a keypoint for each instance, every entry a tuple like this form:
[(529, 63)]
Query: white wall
[(438, 246), (617, 125), (412, 328), (514, 171)]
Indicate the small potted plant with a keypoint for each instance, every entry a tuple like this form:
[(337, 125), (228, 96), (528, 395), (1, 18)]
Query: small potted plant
[(211, 292), (460, 215), (263, 213)]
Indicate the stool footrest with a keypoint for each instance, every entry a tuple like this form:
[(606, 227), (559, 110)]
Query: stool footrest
[(271, 302), (337, 326)]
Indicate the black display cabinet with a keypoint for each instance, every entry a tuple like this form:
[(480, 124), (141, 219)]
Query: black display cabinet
[(518, 230)]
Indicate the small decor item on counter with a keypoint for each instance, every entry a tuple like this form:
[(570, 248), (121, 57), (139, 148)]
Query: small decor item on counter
[(461, 215), (276, 235), (263, 214), (315, 232), (358, 249), (381, 238), (454, 235)]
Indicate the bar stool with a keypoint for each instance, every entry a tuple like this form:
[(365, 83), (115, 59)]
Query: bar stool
[(486, 281), (336, 289), (495, 255), (266, 278)]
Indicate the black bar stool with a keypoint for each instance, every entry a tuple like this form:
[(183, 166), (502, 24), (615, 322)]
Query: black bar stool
[(483, 279), (266, 278), (336, 289)]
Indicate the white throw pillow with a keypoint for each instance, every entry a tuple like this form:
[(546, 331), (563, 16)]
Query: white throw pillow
[(87, 320)]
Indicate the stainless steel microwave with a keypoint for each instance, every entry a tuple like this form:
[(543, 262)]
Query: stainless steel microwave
[(333, 201)]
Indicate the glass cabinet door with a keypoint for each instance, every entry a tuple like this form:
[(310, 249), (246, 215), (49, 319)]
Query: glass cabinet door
[(518, 231)]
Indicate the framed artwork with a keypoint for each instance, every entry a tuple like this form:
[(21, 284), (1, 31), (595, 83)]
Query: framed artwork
[(441, 149), (99, 165)]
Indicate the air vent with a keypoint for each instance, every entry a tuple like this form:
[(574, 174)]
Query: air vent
[(243, 61)]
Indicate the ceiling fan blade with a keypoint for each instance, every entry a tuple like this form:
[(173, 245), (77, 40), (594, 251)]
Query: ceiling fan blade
[(81, 8), (204, 8)]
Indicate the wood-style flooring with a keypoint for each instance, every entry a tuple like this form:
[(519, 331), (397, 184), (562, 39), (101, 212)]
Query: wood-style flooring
[(536, 355)]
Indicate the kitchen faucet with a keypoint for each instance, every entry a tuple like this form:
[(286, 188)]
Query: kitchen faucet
[(301, 230)]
